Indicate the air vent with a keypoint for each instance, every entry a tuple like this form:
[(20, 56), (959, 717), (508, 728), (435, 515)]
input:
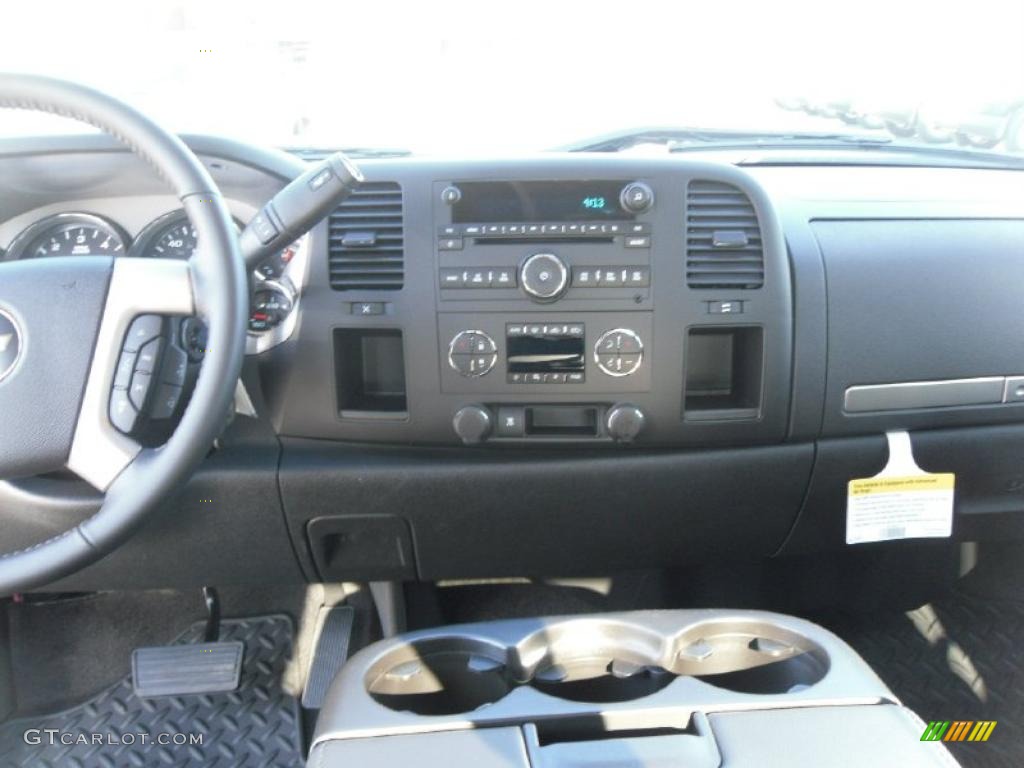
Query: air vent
[(723, 239), (366, 246)]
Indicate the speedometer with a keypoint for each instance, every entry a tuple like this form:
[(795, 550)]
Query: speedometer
[(176, 241), (70, 234), (172, 236)]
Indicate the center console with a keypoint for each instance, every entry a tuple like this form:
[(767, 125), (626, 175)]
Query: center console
[(563, 300), (700, 689)]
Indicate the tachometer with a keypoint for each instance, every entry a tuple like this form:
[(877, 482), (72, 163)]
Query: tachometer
[(70, 234)]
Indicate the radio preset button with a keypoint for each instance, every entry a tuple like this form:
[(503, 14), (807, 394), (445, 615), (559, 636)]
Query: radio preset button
[(449, 244), (584, 277), (637, 241), (638, 277), (504, 278), (451, 278)]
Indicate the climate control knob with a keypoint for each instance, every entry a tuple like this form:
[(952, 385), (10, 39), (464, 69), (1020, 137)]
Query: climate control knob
[(624, 422), (472, 353), (472, 424), (619, 352), (544, 276)]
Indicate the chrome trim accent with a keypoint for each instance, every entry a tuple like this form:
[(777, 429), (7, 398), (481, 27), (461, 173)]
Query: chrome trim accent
[(243, 403), (18, 338), (640, 353), (909, 395), (137, 286), (451, 350), (292, 282), (1013, 383), (561, 284)]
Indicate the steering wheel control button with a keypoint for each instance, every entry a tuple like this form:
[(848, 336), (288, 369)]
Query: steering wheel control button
[(619, 352), (472, 353), (636, 197), (175, 367), (125, 368), (139, 390), (165, 401), (122, 413), (148, 356), (544, 276), (144, 328)]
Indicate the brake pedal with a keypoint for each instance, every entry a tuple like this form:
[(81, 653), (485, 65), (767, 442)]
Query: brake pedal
[(176, 670)]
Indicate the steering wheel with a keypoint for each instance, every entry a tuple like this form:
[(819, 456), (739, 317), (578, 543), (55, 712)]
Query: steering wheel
[(63, 321)]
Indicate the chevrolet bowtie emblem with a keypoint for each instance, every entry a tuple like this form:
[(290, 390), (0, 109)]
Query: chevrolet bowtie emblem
[(10, 344)]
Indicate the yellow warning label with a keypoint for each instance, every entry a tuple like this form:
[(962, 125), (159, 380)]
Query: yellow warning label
[(907, 484)]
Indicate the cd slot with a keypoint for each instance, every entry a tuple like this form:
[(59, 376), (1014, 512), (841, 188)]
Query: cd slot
[(567, 239)]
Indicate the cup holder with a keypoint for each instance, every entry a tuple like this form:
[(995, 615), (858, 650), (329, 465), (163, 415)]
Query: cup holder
[(749, 657), (596, 661), (441, 676)]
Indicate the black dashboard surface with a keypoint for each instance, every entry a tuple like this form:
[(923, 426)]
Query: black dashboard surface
[(870, 276)]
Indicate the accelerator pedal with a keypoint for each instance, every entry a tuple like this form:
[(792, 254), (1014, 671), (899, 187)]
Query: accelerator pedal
[(331, 653)]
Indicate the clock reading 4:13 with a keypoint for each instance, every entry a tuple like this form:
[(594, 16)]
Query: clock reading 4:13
[(595, 203)]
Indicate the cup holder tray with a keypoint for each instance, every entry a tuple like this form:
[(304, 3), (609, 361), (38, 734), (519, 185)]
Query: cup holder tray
[(534, 668)]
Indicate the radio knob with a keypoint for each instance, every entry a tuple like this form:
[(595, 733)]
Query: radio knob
[(636, 197), (624, 422), (472, 424), (544, 276)]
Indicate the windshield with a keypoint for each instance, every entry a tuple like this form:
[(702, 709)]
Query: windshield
[(474, 77)]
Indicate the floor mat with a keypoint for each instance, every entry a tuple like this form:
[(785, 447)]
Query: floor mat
[(256, 725), (961, 658)]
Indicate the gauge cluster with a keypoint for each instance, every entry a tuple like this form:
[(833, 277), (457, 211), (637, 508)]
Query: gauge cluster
[(170, 236), (70, 234)]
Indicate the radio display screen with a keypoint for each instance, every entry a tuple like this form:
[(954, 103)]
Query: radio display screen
[(539, 354), (536, 201)]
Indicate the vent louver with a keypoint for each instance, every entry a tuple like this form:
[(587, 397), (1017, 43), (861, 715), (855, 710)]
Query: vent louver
[(366, 247), (723, 238)]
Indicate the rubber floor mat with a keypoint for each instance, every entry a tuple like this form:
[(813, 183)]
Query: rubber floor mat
[(961, 658), (256, 725)]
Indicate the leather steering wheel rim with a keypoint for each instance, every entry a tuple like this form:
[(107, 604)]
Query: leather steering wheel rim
[(211, 285)]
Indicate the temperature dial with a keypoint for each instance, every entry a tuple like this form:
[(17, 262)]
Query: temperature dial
[(619, 352), (472, 353)]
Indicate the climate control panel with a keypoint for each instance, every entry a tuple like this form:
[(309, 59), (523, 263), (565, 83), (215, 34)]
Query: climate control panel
[(570, 353)]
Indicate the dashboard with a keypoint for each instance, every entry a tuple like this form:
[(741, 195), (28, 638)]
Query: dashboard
[(472, 365)]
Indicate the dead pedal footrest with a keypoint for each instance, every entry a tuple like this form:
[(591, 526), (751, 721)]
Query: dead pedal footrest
[(175, 670)]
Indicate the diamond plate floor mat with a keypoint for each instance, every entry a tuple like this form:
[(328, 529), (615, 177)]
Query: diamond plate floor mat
[(256, 725), (961, 658)]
